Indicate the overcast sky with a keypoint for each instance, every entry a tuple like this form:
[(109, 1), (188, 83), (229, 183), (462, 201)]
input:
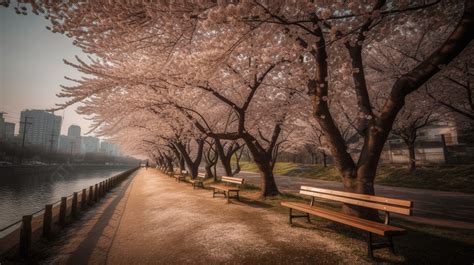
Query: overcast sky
[(32, 68)]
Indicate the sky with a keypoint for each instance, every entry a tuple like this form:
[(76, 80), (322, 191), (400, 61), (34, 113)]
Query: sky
[(32, 68)]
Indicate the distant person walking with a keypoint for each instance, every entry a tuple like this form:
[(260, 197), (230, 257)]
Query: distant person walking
[(146, 165)]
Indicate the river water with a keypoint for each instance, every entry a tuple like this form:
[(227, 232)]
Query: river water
[(28, 193)]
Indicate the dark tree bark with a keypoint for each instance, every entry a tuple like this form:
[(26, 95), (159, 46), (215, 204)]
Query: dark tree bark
[(193, 165), (237, 161), (263, 157), (325, 156), (411, 156), (225, 154), (211, 158), (359, 177)]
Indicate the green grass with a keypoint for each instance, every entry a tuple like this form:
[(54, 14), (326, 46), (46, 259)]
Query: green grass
[(454, 178)]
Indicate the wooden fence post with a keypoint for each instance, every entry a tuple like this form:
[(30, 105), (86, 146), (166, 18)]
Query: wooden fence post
[(83, 199), (96, 193), (25, 235), (90, 199), (74, 204), (62, 211), (47, 220)]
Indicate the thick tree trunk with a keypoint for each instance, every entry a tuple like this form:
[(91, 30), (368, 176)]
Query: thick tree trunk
[(362, 183), (264, 164), (194, 170), (193, 166), (267, 180), (225, 160)]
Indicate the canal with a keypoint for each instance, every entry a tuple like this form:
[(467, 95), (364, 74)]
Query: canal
[(26, 192)]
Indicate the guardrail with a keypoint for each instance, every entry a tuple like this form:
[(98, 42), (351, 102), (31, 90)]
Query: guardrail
[(45, 222)]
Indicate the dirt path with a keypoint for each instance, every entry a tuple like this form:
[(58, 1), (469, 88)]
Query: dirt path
[(155, 220)]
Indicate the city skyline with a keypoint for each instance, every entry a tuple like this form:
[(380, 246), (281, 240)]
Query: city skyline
[(43, 130), (28, 49)]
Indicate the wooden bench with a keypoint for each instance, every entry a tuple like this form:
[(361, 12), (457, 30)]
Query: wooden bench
[(180, 175), (168, 172), (198, 181), (387, 205), (227, 187)]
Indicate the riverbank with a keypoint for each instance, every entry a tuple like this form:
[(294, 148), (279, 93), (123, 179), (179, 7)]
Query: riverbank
[(160, 221), (23, 241), (459, 178)]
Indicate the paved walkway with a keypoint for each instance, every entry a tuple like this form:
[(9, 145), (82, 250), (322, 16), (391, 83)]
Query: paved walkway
[(154, 220), (451, 209)]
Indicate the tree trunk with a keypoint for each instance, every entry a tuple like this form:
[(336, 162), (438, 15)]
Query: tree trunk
[(209, 172), (362, 183), (225, 160), (267, 180), (412, 157), (181, 164), (193, 166), (325, 164)]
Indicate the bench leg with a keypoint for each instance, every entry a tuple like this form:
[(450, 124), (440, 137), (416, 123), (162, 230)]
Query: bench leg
[(291, 216), (227, 196), (238, 197), (390, 242), (213, 192), (370, 251), (298, 216)]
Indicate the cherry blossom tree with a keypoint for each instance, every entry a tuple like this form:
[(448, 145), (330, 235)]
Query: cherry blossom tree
[(187, 47), (419, 112)]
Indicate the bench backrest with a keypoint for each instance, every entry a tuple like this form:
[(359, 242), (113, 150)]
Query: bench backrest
[(201, 175), (369, 201), (233, 180)]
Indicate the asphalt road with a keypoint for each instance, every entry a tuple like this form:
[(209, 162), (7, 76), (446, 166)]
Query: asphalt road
[(451, 209)]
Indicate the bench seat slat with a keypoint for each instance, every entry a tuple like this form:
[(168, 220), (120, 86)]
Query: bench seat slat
[(366, 197), (223, 187), (373, 205), (367, 225), (232, 180)]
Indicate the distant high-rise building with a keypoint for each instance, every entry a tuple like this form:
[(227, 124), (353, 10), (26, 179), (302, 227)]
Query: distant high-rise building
[(42, 128), (9, 129), (2, 125), (65, 144), (91, 144), (72, 143), (74, 131), (109, 148)]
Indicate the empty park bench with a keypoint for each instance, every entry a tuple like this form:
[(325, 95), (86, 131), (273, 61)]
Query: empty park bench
[(387, 205), (198, 181), (229, 185), (180, 175)]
